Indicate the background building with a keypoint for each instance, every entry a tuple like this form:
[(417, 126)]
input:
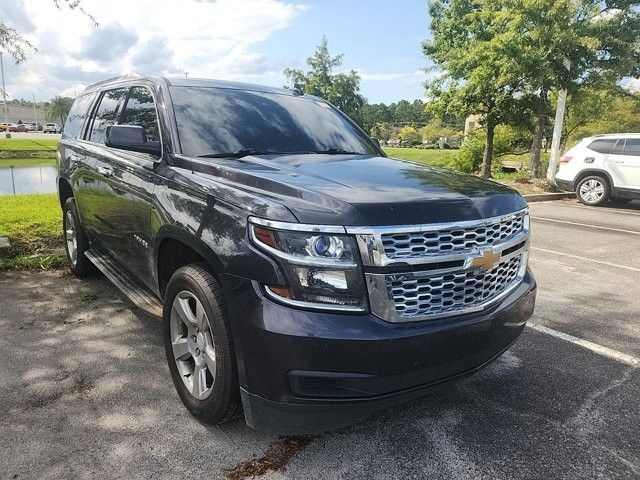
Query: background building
[(24, 113)]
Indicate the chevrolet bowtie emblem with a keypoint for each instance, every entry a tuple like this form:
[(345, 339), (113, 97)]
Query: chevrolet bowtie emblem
[(487, 261)]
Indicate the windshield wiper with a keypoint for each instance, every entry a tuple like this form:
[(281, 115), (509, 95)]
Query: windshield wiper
[(239, 154), (337, 151)]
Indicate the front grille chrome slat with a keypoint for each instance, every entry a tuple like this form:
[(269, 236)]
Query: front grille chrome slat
[(451, 292), (492, 255), (451, 240)]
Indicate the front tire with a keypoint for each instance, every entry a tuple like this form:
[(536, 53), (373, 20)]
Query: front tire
[(75, 240), (198, 345), (593, 190)]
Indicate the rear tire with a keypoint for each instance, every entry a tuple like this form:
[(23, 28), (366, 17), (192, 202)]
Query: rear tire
[(593, 190), (75, 240), (198, 345)]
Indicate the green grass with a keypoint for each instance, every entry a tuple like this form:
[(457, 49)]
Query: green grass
[(28, 144), (88, 297), (33, 224), (438, 158), (26, 162)]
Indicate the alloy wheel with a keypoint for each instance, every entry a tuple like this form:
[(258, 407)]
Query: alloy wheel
[(71, 238), (592, 191), (192, 344)]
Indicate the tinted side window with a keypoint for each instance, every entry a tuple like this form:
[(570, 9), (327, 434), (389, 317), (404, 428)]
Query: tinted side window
[(602, 146), (632, 146), (106, 113), (618, 148), (77, 115), (141, 110)]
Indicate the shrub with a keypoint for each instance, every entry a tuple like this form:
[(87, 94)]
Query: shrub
[(507, 139)]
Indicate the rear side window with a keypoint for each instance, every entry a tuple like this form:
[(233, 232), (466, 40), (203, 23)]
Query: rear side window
[(141, 110), (106, 113), (77, 115), (632, 147), (602, 146), (618, 147)]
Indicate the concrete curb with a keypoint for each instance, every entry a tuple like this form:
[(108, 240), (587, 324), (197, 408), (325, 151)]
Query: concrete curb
[(546, 197)]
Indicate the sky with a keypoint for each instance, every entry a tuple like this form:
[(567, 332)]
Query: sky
[(244, 40)]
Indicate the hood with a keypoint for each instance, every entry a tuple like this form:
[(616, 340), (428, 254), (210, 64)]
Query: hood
[(364, 190)]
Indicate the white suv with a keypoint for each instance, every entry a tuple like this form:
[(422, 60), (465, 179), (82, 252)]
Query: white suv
[(51, 128), (602, 168)]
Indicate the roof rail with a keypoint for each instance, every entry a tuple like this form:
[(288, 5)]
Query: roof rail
[(128, 76)]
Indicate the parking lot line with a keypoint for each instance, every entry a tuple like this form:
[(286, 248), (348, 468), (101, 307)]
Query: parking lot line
[(598, 227), (586, 259), (606, 209), (594, 347)]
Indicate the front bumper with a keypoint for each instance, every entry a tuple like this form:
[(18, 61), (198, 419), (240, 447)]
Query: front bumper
[(303, 371)]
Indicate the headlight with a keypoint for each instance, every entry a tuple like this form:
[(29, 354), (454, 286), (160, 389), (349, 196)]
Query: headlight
[(321, 265)]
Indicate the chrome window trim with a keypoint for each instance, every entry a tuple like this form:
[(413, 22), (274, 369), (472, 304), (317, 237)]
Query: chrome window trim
[(311, 305)]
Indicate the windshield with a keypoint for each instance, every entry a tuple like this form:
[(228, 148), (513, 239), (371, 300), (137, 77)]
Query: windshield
[(215, 120)]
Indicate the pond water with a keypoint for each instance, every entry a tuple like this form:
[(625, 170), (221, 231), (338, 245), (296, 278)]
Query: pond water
[(34, 179)]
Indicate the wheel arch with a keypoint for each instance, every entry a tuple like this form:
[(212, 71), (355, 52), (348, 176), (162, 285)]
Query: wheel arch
[(593, 171), (174, 248), (65, 191)]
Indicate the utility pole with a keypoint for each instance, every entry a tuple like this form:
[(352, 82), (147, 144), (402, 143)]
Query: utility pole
[(4, 96), (35, 115), (557, 131)]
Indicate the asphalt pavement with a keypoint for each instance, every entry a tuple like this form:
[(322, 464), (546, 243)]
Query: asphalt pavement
[(86, 392)]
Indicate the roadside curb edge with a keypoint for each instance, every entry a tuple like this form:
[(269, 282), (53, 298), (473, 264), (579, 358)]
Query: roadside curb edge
[(546, 197)]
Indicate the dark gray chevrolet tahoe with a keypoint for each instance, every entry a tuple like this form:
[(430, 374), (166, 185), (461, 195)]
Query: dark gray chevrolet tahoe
[(302, 276)]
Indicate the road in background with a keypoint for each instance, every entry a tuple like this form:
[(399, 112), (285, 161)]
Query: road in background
[(86, 391)]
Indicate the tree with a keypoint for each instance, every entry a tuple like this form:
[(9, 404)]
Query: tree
[(13, 43), (474, 79), (598, 40), (435, 129), (59, 107), (340, 89), (593, 111), (409, 134)]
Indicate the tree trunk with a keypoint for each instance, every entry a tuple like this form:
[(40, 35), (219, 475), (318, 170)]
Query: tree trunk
[(487, 157), (536, 147)]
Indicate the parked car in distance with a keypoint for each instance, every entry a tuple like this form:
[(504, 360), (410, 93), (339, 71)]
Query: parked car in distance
[(17, 127), (602, 168), (31, 126), (51, 128), (302, 276)]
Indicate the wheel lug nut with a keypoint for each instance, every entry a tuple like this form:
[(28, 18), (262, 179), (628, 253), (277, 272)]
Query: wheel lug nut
[(193, 337), (197, 352)]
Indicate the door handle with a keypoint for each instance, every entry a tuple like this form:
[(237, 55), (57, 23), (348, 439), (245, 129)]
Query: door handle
[(618, 161), (106, 171)]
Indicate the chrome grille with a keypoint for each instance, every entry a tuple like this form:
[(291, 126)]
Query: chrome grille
[(451, 240), (450, 292)]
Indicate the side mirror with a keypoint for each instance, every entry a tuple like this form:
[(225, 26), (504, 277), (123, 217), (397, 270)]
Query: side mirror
[(131, 137), (376, 141)]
